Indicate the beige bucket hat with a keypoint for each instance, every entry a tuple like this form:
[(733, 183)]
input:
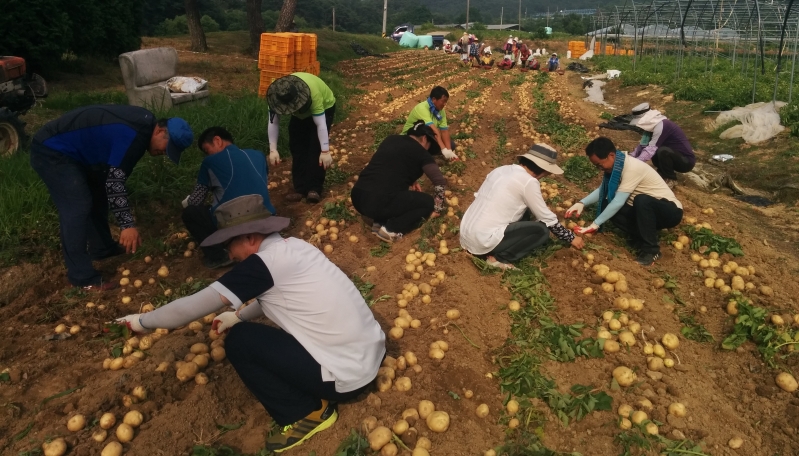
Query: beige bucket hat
[(545, 156), (244, 215)]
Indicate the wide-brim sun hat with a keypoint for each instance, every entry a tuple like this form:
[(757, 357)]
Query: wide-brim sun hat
[(244, 215), (638, 112), (288, 95), (545, 156)]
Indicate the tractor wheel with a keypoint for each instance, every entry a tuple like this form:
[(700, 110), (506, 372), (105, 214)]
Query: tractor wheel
[(11, 135)]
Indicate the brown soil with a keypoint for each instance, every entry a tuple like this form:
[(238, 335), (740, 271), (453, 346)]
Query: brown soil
[(727, 394)]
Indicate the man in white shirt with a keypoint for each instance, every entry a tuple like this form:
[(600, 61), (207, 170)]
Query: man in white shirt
[(632, 195), (508, 218), (328, 346)]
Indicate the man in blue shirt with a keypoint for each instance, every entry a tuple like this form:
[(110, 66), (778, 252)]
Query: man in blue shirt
[(84, 158), (227, 172)]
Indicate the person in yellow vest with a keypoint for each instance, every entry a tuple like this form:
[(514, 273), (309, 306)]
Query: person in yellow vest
[(311, 105)]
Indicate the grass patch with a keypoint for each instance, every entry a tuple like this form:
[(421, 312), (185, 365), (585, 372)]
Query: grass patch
[(381, 250), (337, 210), (579, 170), (705, 240), (773, 343)]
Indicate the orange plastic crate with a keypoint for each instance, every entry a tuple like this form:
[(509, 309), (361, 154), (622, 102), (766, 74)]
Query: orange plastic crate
[(277, 43), (284, 63), (312, 40), (302, 60), (267, 77), (262, 88)]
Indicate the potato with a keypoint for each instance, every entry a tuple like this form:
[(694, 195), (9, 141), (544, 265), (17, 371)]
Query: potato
[(512, 407), (621, 303), (668, 362), (124, 433), (112, 449), (424, 442), (218, 354), (107, 421), (611, 346), (442, 345), (403, 384), (732, 308), (625, 410), (410, 358), (735, 443), (468, 394), (390, 449), (187, 371), (627, 338), (604, 334), (652, 428), (625, 424), (677, 409), (201, 379), (438, 421), (400, 427), (624, 376), (379, 437), (453, 314), (670, 341), (787, 382), (425, 409), (638, 417), (607, 287), (383, 383), (636, 305), (369, 424), (644, 404), (482, 411), (588, 290), (201, 361), (654, 363), (196, 326), (99, 435), (659, 351), (620, 286), (134, 418), (401, 322), (513, 423), (410, 415), (76, 423), (612, 277), (396, 333), (199, 348), (56, 447), (139, 393), (418, 451), (633, 327)]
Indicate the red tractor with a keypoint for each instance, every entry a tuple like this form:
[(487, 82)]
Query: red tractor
[(18, 93)]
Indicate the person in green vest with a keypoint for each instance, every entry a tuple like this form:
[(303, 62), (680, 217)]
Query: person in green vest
[(431, 111), (311, 105)]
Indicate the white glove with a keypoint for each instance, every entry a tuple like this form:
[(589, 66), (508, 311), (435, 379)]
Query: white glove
[(592, 228), (325, 159), (133, 323), (185, 202), (225, 321), (274, 157), (575, 210), (448, 154)]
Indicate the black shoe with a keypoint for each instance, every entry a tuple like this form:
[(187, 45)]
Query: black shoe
[(313, 197), (212, 263), (647, 259)]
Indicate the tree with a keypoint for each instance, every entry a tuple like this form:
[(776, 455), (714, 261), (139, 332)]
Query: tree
[(198, 43), (255, 24), (286, 16)]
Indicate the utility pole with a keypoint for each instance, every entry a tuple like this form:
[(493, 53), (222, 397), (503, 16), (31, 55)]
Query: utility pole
[(501, 13), (520, 15), (467, 15), (385, 11), (334, 18)]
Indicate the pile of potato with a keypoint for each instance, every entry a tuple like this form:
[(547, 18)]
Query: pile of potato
[(404, 432), (387, 374), (617, 329), (731, 276), (124, 432)]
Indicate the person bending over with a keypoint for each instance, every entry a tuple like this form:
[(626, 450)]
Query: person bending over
[(663, 142), (326, 346), (387, 190), (508, 218), (226, 172), (633, 196)]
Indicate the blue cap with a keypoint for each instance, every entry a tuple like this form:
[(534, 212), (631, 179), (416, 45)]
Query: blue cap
[(180, 137)]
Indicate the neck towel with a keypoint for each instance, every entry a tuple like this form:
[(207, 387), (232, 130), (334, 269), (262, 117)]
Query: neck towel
[(610, 183), (433, 109)]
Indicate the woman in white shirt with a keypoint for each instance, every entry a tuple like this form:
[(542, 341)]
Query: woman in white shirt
[(509, 219)]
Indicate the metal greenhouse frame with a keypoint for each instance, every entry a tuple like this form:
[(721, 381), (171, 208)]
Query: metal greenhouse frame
[(753, 37)]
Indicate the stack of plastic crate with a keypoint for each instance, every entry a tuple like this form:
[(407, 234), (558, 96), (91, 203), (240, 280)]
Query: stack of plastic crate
[(276, 58), (305, 53)]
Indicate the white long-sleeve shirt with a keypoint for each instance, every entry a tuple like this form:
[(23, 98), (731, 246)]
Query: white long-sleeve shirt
[(502, 199)]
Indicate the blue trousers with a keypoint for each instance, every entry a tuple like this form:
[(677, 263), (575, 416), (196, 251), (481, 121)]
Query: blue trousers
[(79, 194)]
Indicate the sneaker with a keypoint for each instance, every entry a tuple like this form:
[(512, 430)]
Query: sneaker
[(211, 263), (647, 259), (294, 197), (100, 287), (313, 197), (297, 433), (375, 228), (386, 235), (494, 263)]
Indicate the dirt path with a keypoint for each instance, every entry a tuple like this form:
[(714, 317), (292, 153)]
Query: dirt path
[(728, 393)]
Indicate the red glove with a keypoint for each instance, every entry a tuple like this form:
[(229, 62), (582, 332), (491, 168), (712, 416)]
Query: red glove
[(592, 228)]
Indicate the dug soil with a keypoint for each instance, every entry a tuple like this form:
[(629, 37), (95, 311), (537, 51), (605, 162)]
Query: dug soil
[(727, 393)]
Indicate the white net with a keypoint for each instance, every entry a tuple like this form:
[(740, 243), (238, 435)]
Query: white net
[(759, 122)]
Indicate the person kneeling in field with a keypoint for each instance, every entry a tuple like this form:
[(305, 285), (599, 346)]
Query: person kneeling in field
[(387, 190), (509, 219), (663, 142), (432, 112), (327, 347), (633, 196), (227, 172)]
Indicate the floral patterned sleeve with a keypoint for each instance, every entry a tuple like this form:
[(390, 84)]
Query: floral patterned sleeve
[(197, 197), (117, 195), (438, 198), (562, 233)]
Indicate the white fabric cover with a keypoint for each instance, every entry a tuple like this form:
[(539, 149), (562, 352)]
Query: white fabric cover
[(759, 122), (184, 84)]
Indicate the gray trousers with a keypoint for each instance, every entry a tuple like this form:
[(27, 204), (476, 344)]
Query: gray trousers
[(520, 239)]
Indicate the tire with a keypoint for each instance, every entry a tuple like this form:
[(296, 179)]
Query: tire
[(12, 133)]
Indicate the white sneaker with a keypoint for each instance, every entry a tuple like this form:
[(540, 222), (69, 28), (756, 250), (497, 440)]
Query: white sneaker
[(386, 235)]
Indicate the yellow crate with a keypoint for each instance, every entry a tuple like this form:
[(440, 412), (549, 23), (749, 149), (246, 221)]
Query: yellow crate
[(312, 41), (284, 63), (267, 77), (302, 60), (277, 43)]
